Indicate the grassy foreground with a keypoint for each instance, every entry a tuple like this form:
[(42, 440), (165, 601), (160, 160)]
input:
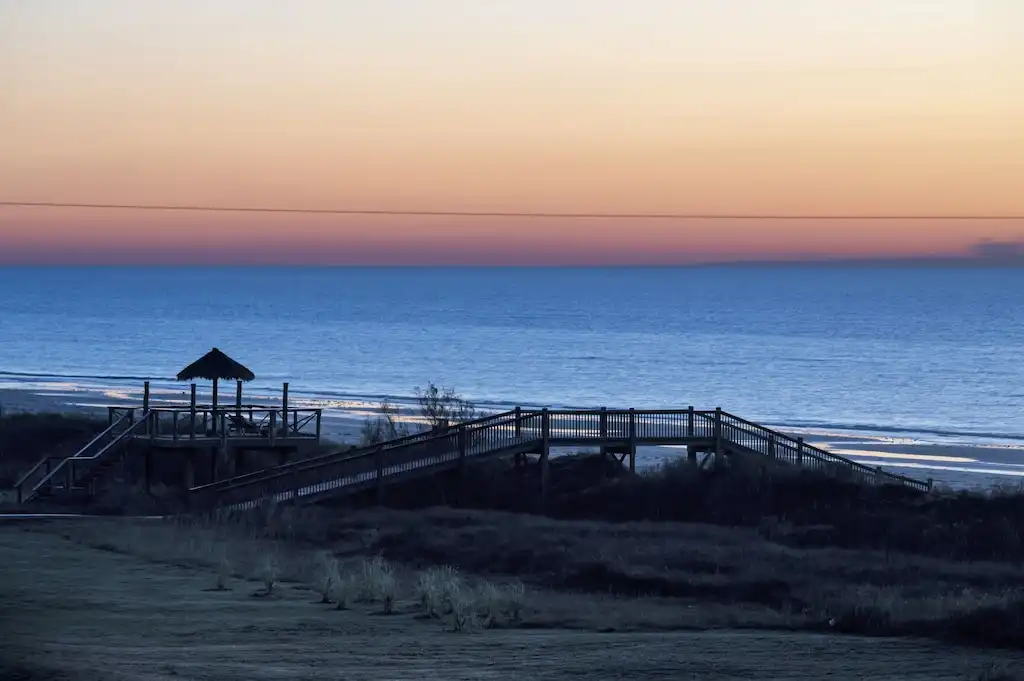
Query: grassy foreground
[(676, 549)]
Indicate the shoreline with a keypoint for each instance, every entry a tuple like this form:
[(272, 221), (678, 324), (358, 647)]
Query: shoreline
[(980, 464)]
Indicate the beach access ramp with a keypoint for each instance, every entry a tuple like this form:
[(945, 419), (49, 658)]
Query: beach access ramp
[(709, 434)]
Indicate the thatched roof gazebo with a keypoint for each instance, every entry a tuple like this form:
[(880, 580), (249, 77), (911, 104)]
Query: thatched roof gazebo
[(216, 366)]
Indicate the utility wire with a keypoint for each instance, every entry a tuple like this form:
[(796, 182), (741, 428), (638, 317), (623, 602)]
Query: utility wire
[(499, 214)]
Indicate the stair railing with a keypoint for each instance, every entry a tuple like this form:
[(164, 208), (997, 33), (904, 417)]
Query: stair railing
[(74, 468)]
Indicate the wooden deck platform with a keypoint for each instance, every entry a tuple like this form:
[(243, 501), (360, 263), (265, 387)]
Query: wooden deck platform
[(248, 427)]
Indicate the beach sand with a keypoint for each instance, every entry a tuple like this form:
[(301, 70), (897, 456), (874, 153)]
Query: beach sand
[(960, 465)]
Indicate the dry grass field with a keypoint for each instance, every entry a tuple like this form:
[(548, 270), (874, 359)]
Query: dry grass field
[(674, 574), (126, 599)]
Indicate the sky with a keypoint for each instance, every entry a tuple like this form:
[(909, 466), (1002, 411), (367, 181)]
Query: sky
[(862, 107)]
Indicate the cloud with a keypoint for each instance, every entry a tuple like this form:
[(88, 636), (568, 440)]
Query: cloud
[(991, 249)]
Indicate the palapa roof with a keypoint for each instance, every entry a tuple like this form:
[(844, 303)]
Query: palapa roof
[(216, 365)]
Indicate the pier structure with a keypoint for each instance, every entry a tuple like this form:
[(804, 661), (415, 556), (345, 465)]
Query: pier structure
[(209, 442)]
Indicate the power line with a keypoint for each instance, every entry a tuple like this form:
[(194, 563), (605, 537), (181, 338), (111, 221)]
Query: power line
[(498, 214)]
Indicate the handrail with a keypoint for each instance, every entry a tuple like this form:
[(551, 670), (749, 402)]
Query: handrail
[(32, 472), (823, 454), (109, 446), (343, 455), (497, 432)]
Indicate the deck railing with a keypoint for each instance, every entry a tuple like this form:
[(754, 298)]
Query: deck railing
[(518, 428), (228, 422)]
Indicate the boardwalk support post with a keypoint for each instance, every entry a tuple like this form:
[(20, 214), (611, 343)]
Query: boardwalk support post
[(545, 451), (192, 415), (718, 435), (378, 458), (632, 440), (284, 410), (689, 421), (603, 426), (519, 423), (799, 451), (145, 397), (772, 447)]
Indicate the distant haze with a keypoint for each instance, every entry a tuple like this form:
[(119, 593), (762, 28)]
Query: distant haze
[(818, 107)]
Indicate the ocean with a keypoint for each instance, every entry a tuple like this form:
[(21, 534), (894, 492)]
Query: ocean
[(932, 353)]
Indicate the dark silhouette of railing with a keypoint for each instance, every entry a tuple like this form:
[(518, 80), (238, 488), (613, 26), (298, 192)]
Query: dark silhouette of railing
[(523, 431)]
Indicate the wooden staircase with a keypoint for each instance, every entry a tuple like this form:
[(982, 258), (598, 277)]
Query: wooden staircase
[(77, 474), (523, 432)]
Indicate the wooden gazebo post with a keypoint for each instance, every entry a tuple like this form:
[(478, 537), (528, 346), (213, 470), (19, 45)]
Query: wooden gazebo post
[(215, 365)]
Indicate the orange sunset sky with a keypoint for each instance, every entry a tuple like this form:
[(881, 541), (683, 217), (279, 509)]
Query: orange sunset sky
[(642, 106)]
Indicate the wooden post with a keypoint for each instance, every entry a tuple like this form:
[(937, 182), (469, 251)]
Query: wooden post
[(463, 441), (799, 451), (284, 408), (273, 426), (378, 458), (718, 436), (213, 407), (319, 415), (174, 425), (238, 398), (145, 397), (772, 450), (604, 423), (690, 424), (519, 423), (192, 415), (545, 451), (632, 440)]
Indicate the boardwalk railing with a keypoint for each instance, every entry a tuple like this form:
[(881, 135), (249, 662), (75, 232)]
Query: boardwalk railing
[(247, 421), (521, 430), (74, 470)]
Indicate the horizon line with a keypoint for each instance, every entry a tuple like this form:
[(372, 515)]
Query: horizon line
[(500, 214), (1013, 261)]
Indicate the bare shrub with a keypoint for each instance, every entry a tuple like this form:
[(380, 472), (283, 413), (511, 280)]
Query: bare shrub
[(223, 572), (379, 583), (463, 611), (268, 574), (327, 575), (436, 589), (514, 598), (489, 604), (344, 591), (442, 407), (383, 427)]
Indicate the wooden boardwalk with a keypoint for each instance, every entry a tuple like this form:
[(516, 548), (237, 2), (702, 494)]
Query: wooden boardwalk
[(529, 432), (186, 429)]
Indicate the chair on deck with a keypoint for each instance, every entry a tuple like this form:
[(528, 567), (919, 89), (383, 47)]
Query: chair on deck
[(240, 425)]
